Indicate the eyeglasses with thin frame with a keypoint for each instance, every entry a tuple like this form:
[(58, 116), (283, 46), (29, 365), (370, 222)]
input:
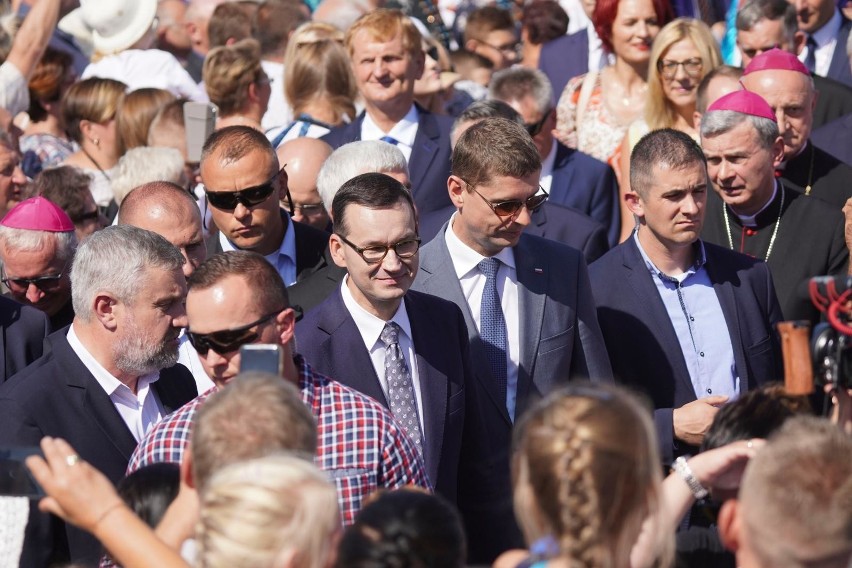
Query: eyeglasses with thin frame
[(47, 283), (228, 340), (248, 197), (511, 207), (375, 254), (307, 209), (692, 67)]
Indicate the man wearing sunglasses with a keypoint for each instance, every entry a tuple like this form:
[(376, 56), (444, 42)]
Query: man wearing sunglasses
[(244, 185), (235, 299), (37, 243), (572, 178), (528, 307), (350, 335)]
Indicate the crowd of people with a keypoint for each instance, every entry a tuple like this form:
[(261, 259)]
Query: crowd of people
[(513, 273)]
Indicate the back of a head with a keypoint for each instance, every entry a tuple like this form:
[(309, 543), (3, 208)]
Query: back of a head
[(150, 490), (494, 147), (161, 195), (517, 83), (586, 470), (93, 99), (136, 111), (404, 527), (228, 72), (66, 186), (796, 497), (147, 164), (273, 24), (544, 20), (267, 512), (485, 20), (167, 125), (230, 22), (701, 95), (258, 414), (357, 158)]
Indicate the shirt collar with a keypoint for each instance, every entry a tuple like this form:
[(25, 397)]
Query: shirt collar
[(288, 243), (700, 261), (751, 220), (829, 31), (369, 326), (403, 131), (547, 164), (465, 259)]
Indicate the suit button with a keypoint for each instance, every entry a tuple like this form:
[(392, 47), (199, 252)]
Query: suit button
[(709, 391), (702, 353)]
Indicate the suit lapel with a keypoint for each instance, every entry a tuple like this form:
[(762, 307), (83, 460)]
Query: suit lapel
[(562, 177), (424, 149), (728, 302), (352, 132), (532, 272), (3, 354)]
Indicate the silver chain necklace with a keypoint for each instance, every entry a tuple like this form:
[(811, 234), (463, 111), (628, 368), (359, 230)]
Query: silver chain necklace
[(774, 231)]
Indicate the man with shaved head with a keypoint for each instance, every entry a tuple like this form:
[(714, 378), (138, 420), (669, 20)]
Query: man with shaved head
[(302, 159)]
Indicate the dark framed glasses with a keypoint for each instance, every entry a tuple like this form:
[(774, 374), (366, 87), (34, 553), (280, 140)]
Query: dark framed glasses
[(510, 208), (228, 340), (668, 68), (376, 253), (534, 128), (249, 197), (43, 283), (307, 209)]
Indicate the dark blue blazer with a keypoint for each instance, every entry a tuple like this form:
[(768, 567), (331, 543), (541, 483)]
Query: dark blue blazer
[(836, 138), (641, 341), (58, 396), (839, 68), (332, 344), (550, 221), (22, 333), (564, 58), (429, 165), (582, 182)]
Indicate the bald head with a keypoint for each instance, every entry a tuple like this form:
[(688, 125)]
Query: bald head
[(168, 210), (302, 159)]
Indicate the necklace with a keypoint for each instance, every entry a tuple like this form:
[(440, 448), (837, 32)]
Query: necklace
[(774, 231), (810, 171), (97, 165)]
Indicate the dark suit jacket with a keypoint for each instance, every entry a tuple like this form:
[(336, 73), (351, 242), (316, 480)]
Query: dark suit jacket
[(429, 165), (641, 340), (310, 246), (332, 344), (22, 333), (839, 69), (564, 58), (312, 290), (836, 139), (829, 177), (58, 396), (834, 100), (587, 184), (560, 340), (550, 221)]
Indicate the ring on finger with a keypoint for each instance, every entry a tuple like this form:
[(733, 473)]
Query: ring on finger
[(72, 460)]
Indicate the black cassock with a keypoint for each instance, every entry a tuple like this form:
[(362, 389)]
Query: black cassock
[(830, 179), (809, 242)]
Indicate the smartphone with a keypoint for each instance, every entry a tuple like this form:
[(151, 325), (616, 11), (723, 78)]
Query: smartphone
[(199, 120), (15, 478), (263, 357)]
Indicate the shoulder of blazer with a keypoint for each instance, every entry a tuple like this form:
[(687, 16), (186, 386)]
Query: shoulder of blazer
[(310, 245)]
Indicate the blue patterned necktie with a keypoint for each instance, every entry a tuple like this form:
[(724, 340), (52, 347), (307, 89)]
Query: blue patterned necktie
[(403, 404), (492, 324), (389, 140), (810, 58)]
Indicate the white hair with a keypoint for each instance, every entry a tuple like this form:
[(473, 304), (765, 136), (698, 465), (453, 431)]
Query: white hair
[(28, 240), (717, 122), (146, 164), (356, 158)]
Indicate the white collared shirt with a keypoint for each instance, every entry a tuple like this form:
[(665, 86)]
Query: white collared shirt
[(284, 259), (826, 43), (188, 357), (140, 411), (403, 131), (547, 169), (370, 327), (466, 264)]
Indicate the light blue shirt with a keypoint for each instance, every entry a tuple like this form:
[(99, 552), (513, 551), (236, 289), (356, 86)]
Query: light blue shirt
[(699, 323), (284, 259)]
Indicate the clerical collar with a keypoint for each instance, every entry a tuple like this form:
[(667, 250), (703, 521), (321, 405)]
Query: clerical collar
[(783, 165), (752, 220)]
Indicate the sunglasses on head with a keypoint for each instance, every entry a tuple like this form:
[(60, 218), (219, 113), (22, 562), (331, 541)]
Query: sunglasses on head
[(228, 340), (249, 197)]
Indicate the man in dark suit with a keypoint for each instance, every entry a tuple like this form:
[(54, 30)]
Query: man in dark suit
[(109, 377), (528, 307), (243, 185), (376, 241), (553, 62), (572, 178), (23, 330), (825, 25), (689, 323), (386, 67)]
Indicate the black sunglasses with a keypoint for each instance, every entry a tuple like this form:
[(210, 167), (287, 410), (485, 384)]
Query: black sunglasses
[(512, 207), (249, 197), (534, 128), (228, 340)]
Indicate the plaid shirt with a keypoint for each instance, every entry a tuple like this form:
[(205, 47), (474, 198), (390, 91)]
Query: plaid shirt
[(360, 446)]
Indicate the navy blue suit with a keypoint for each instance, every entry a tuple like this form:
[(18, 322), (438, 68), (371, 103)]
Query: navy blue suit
[(836, 138), (839, 69), (429, 165), (582, 182), (564, 58), (330, 341), (641, 341), (58, 396), (22, 333)]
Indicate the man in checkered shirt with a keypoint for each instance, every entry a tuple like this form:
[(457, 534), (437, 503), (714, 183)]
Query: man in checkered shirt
[(238, 298)]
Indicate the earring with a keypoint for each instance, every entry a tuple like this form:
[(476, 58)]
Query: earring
[(96, 141)]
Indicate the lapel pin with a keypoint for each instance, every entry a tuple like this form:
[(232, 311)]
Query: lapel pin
[(538, 270)]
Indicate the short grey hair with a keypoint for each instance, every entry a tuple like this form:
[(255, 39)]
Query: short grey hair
[(146, 164), (755, 11), (115, 260), (29, 240), (356, 158), (516, 83), (717, 122)]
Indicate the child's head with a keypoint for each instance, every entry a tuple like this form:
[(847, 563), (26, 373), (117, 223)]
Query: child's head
[(472, 66)]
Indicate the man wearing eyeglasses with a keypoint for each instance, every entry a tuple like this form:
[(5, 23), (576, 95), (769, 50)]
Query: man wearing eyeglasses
[(528, 307), (490, 32), (405, 349), (572, 178), (244, 185), (302, 158)]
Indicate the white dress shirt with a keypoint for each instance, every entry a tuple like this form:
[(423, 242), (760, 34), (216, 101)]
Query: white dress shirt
[(140, 411), (826, 43), (370, 327), (278, 112), (403, 131), (547, 169), (465, 263)]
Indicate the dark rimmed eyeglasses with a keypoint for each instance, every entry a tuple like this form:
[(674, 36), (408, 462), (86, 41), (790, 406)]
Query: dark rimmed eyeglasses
[(228, 340), (307, 209), (376, 253), (44, 283), (249, 197), (668, 68), (512, 207), (534, 128)]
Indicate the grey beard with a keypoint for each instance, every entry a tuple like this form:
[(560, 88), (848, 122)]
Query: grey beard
[(137, 355)]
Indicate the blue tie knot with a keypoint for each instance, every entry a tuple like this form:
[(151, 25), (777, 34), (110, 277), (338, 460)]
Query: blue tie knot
[(389, 140), (489, 267)]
